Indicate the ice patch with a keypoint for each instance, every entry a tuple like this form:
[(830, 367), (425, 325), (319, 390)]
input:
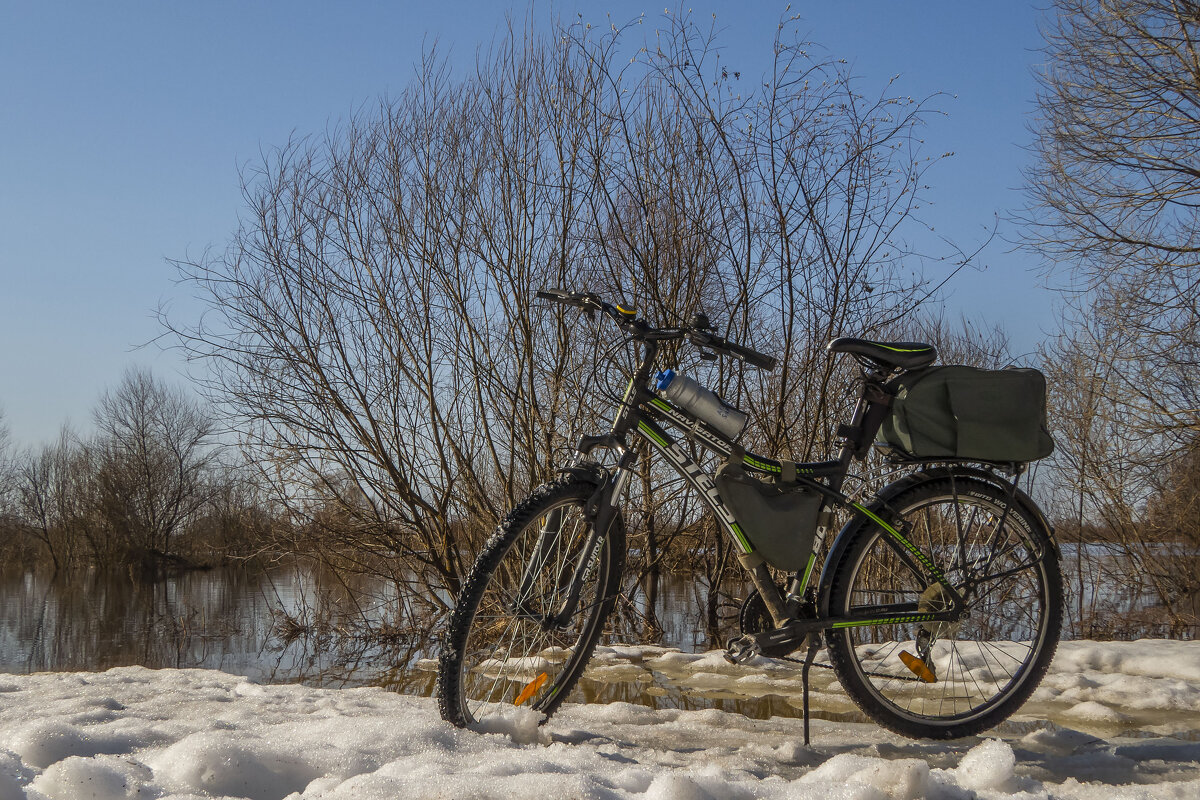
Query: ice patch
[(676, 787), (1093, 711), (902, 779), (12, 776), (10, 789), (44, 743), (518, 723), (1058, 741)]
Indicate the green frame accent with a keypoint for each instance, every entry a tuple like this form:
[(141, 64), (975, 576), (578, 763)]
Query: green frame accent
[(860, 623), (762, 464), (934, 572), (737, 531), (812, 561), (648, 431)]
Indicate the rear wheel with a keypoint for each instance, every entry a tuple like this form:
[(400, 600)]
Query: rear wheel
[(504, 646), (944, 680)]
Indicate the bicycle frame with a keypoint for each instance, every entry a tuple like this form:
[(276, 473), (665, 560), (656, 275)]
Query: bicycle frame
[(643, 413)]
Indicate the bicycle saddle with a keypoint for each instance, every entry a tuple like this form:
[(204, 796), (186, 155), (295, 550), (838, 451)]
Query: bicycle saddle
[(897, 355)]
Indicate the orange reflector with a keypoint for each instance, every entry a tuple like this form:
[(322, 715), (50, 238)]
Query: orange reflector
[(917, 667), (530, 689)]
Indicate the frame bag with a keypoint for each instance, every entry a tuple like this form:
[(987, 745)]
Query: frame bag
[(955, 412), (779, 519)]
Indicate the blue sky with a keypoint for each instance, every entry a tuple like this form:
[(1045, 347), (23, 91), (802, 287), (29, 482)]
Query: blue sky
[(123, 127)]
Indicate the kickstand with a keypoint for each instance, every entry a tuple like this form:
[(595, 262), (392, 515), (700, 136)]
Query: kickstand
[(814, 644)]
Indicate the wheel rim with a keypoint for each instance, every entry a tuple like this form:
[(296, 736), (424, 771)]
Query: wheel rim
[(513, 659), (977, 662)]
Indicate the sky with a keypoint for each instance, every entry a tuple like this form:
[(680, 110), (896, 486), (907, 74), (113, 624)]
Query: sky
[(124, 127)]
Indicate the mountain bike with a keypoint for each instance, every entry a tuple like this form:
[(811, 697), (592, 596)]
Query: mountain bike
[(939, 601)]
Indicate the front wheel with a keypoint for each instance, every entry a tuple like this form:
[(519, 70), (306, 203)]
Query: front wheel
[(945, 680), (507, 644)]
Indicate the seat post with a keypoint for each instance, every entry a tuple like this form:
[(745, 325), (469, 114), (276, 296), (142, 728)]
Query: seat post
[(847, 434), (868, 415)]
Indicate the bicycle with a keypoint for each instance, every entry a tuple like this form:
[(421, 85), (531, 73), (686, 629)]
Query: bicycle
[(940, 600)]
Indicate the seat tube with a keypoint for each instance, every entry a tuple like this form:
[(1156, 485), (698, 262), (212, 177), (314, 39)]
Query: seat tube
[(846, 454)]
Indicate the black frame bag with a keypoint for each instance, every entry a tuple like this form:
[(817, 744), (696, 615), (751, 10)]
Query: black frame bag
[(957, 412), (779, 519)]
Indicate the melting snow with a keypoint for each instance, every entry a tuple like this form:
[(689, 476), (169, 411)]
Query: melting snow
[(1111, 720)]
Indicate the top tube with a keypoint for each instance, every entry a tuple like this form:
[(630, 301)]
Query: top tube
[(664, 411)]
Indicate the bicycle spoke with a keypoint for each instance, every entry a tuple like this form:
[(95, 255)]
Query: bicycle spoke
[(977, 660), (510, 641)]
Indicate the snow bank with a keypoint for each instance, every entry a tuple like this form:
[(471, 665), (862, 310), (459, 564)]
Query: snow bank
[(175, 734)]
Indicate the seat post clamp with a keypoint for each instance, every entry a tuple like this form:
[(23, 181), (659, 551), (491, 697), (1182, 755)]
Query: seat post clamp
[(848, 432)]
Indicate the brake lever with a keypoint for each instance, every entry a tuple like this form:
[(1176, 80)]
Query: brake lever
[(708, 355)]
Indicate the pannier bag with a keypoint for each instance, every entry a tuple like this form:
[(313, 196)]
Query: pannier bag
[(968, 413), (779, 519)]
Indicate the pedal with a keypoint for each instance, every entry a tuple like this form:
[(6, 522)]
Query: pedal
[(740, 649)]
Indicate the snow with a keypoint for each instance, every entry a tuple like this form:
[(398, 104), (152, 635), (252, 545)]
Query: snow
[(991, 765), (1112, 720)]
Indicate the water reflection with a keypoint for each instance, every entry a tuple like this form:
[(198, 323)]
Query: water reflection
[(221, 619), (230, 619)]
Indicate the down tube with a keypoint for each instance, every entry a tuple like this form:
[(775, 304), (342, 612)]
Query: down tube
[(698, 478)]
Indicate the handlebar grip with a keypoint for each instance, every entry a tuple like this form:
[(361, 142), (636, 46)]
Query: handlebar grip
[(552, 294), (753, 357)]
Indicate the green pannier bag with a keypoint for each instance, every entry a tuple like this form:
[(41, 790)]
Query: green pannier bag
[(779, 519), (968, 413)]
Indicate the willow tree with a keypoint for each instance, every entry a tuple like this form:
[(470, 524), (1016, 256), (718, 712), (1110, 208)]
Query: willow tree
[(370, 328), (1116, 210), (1117, 192)]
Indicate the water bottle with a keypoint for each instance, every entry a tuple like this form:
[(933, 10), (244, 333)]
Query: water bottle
[(687, 394)]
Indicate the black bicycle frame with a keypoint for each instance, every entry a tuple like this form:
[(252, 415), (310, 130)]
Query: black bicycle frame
[(642, 412)]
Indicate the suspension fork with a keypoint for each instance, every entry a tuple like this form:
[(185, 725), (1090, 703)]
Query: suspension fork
[(601, 510)]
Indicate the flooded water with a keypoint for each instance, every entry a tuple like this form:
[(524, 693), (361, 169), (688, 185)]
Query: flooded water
[(241, 621), (219, 619), (234, 620), (229, 619)]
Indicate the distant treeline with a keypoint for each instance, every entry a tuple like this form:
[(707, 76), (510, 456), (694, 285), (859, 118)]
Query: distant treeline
[(150, 488)]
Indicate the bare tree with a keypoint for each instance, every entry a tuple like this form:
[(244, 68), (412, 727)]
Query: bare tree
[(1109, 475), (1171, 517), (370, 329), (153, 451), (1117, 194), (7, 467), (1115, 198), (54, 503)]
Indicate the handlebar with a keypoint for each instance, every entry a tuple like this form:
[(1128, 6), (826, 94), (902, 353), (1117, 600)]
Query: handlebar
[(740, 352), (589, 302)]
